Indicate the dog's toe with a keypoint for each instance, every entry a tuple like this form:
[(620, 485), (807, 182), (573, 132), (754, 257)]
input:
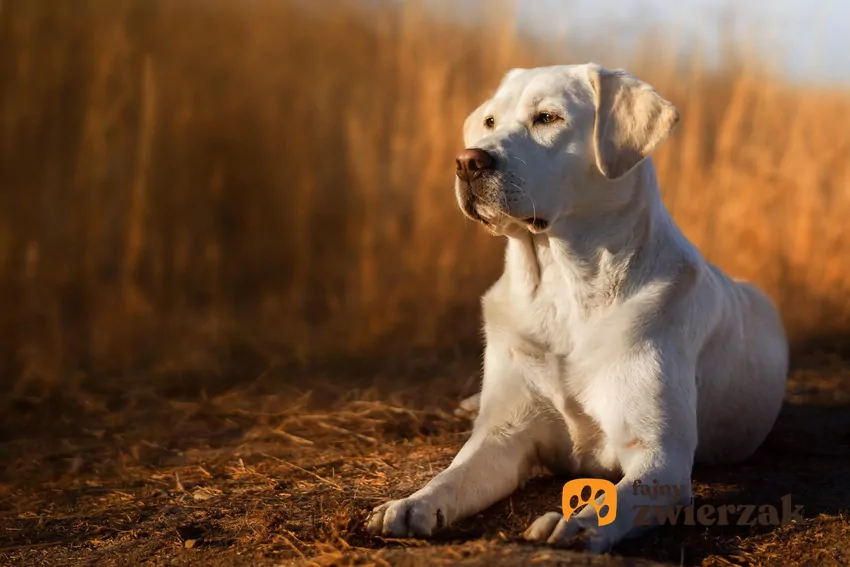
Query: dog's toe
[(541, 529), (563, 533), (551, 528), (375, 521), (404, 518)]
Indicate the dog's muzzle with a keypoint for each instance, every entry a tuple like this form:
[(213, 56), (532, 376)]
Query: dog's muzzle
[(476, 169), (472, 164)]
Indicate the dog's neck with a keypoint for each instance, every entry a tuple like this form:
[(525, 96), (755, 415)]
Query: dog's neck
[(595, 255)]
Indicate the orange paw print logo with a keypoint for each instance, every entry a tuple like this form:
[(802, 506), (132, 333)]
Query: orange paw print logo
[(595, 492)]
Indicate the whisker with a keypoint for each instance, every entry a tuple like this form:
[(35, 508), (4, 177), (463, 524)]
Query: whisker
[(524, 192), (505, 201), (516, 158)]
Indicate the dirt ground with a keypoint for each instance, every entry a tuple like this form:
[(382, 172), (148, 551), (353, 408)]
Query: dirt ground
[(277, 467)]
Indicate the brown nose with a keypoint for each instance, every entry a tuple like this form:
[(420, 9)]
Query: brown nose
[(471, 162)]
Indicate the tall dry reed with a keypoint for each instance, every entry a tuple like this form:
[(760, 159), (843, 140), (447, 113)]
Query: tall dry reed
[(172, 171)]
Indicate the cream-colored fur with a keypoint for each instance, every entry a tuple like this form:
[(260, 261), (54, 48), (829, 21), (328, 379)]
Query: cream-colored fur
[(613, 349)]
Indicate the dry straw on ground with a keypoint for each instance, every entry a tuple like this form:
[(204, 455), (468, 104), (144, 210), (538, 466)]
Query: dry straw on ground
[(263, 474)]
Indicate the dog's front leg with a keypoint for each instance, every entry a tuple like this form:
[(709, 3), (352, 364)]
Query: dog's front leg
[(497, 458), (646, 407)]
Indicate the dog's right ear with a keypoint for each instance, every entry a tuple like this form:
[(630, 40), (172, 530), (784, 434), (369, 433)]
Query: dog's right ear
[(631, 120), (473, 126)]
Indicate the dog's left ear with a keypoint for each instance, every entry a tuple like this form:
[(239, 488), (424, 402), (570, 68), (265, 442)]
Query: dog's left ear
[(631, 120)]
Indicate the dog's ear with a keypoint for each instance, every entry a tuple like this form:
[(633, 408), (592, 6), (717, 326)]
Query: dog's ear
[(631, 120), (473, 126)]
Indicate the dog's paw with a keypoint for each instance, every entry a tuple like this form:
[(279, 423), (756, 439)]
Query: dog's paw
[(552, 529), (410, 517), (469, 407)]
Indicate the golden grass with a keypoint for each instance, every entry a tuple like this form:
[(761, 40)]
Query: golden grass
[(175, 170)]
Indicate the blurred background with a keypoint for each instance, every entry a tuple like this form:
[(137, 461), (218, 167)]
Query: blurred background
[(196, 189)]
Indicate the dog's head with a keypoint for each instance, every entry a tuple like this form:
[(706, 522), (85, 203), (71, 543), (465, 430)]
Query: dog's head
[(551, 142)]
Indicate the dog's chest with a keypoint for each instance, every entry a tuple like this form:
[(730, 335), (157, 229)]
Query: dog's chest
[(545, 316), (539, 336), (545, 329), (535, 324)]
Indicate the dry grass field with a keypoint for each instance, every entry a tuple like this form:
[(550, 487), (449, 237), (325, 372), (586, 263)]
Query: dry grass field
[(239, 302)]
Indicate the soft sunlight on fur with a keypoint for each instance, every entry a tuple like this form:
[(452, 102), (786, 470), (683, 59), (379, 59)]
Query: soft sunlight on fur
[(607, 317)]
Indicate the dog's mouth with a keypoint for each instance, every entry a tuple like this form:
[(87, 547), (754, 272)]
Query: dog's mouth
[(492, 216), (536, 224)]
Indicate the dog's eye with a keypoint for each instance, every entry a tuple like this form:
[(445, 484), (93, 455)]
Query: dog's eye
[(545, 118), (489, 122)]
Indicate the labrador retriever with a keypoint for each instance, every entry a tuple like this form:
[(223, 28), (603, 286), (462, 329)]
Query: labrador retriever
[(613, 348)]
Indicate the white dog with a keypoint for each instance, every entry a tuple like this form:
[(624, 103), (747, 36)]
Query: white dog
[(614, 349)]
